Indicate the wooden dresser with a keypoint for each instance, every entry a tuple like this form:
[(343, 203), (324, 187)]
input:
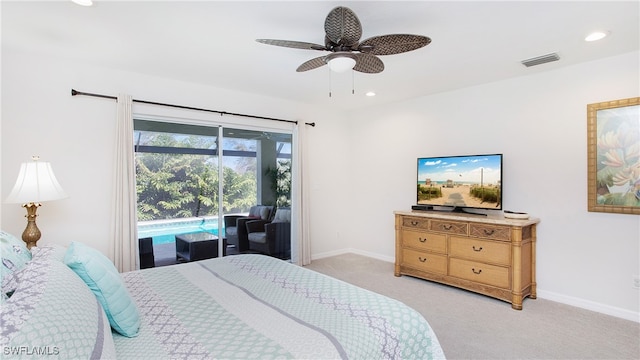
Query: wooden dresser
[(489, 255)]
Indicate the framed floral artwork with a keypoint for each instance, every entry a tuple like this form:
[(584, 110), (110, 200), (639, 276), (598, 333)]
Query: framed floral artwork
[(613, 154)]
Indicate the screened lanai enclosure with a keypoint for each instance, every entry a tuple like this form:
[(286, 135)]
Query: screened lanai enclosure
[(186, 186)]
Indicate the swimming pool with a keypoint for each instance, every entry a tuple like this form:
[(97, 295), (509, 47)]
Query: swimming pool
[(164, 231)]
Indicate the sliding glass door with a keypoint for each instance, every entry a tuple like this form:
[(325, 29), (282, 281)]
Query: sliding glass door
[(185, 185), (258, 162)]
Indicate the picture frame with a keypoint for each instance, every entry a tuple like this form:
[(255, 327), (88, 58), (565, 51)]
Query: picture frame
[(613, 156)]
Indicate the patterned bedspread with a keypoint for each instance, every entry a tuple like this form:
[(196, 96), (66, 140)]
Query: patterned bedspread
[(254, 306)]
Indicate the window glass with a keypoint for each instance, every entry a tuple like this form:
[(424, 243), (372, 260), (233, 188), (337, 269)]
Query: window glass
[(176, 170), (178, 176)]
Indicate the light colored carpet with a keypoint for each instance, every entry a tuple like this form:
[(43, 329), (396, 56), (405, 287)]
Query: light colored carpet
[(472, 326)]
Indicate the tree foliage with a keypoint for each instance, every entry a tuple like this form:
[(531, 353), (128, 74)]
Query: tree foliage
[(281, 182), (170, 185)]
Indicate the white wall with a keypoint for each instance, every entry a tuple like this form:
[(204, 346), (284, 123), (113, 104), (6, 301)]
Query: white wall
[(361, 165), (76, 134), (539, 123)]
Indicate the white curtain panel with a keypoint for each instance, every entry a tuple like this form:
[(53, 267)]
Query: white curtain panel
[(124, 233), (301, 249)]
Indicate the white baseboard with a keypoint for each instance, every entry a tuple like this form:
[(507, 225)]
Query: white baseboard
[(352, 251), (589, 305), (373, 255), (543, 294), (329, 254)]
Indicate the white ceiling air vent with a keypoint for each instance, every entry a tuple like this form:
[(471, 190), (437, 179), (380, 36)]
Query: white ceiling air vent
[(541, 60)]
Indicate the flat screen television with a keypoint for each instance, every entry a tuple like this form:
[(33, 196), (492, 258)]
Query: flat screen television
[(456, 183)]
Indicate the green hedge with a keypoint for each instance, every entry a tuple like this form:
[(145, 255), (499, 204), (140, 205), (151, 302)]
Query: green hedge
[(428, 193), (486, 194)]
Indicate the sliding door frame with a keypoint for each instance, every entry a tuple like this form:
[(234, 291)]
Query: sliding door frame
[(191, 118)]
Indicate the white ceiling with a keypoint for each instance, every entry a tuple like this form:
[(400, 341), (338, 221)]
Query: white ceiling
[(213, 42)]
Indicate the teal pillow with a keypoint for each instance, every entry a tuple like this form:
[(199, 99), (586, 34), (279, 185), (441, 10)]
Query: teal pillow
[(15, 254), (99, 273)]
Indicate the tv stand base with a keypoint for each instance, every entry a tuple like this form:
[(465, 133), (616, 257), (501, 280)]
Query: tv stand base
[(454, 209), (422, 207)]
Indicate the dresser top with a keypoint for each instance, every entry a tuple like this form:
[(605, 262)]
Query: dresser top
[(497, 218)]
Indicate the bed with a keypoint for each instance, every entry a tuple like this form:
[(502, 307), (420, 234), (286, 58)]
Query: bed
[(235, 307)]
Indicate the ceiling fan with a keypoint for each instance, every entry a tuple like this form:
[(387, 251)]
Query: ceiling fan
[(342, 35)]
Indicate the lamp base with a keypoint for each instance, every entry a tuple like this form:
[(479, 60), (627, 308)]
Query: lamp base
[(31, 233)]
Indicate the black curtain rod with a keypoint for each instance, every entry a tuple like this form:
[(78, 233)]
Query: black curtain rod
[(75, 92)]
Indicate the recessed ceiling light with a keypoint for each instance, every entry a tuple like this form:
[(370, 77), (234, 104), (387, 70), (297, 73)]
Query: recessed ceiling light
[(596, 35), (370, 93), (83, 2)]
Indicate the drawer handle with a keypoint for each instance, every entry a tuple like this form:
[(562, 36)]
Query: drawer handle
[(489, 232), (422, 259), (422, 240), (447, 226), (414, 223), (476, 272), (478, 249)]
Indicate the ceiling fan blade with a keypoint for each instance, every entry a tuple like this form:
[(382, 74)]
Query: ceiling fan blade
[(367, 63), (343, 27), (393, 44), (292, 44), (312, 64)]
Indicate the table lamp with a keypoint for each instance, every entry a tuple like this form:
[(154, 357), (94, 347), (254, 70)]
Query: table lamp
[(36, 183)]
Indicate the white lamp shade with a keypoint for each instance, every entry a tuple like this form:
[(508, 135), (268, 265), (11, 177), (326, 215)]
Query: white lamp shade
[(341, 64), (36, 183)]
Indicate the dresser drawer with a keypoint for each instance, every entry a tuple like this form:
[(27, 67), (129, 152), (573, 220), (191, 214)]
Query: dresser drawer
[(480, 250), (449, 227), (425, 241), (416, 223), (425, 261), (495, 232), (478, 272)]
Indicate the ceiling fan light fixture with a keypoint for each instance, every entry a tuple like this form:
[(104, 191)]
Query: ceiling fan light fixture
[(341, 64)]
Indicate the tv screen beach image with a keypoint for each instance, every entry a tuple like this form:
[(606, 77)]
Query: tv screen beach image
[(460, 181)]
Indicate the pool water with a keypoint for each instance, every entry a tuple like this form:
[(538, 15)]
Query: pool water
[(164, 232)]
